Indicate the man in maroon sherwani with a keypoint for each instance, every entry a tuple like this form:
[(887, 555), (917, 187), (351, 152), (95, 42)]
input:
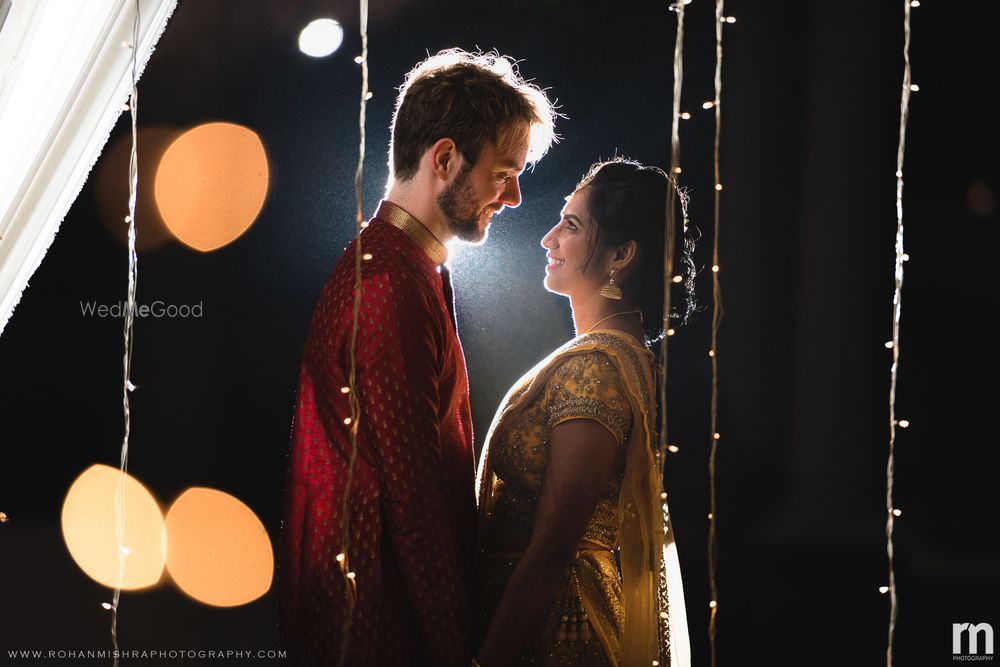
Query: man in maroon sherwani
[(464, 128)]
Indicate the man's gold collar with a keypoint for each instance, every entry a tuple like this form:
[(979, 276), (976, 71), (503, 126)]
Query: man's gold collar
[(413, 228)]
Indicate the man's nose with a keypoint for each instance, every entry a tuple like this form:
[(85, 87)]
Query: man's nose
[(512, 193)]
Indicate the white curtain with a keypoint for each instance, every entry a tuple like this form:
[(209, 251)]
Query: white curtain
[(65, 77)]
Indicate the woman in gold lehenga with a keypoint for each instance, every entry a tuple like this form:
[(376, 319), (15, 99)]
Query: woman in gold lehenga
[(577, 557)]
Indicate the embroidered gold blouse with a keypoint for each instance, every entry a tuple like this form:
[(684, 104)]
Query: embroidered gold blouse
[(583, 386)]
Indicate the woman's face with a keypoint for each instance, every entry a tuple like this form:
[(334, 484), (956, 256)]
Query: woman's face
[(568, 245)]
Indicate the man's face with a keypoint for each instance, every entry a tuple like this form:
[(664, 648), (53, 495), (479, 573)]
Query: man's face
[(482, 190)]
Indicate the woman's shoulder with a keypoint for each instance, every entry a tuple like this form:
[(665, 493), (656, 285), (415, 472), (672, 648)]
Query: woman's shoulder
[(609, 348), (588, 385)]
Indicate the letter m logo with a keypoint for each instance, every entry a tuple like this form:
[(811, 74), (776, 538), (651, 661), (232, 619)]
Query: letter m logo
[(958, 629)]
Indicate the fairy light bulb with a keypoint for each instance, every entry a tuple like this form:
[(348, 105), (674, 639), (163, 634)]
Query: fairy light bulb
[(347, 421), (350, 575), (715, 268), (345, 390), (915, 3), (718, 186), (367, 256), (905, 257), (889, 344), (713, 604), (678, 279), (903, 423), (716, 436), (708, 105), (711, 353), (359, 59), (670, 332), (728, 19), (3, 518), (914, 87), (686, 116), (106, 605), (340, 557), (663, 496), (896, 511), (674, 448), (677, 170), (710, 515), (883, 589)]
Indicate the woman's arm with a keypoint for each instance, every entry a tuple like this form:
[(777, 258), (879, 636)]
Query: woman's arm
[(581, 458)]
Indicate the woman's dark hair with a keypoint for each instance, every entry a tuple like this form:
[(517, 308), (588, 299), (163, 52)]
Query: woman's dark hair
[(627, 200)]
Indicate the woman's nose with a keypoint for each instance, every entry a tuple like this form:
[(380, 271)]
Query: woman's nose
[(548, 241)]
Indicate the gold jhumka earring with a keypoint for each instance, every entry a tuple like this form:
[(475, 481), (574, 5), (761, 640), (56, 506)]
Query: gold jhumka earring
[(610, 289)]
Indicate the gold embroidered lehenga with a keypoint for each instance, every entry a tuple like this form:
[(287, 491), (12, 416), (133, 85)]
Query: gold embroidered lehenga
[(621, 604)]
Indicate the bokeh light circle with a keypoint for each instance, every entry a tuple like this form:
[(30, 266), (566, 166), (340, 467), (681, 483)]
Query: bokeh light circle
[(219, 553), (321, 38), (211, 184), (88, 527)]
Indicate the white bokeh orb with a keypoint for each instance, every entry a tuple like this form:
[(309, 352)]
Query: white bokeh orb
[(321, 38)]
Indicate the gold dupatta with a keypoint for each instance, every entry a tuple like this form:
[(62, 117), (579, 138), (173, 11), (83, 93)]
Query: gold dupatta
[(655, 617)]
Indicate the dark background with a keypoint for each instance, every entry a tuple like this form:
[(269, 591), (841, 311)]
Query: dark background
[(810, 124)]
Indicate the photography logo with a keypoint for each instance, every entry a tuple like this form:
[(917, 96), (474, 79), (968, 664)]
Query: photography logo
[(976, 651)]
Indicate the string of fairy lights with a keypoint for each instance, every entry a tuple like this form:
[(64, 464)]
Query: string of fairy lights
[(720, 20), (717, 311), (670, 221), (127, 386), (350, 585), (897, 305)]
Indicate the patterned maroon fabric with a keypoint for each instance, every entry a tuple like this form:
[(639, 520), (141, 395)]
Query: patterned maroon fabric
[(412, 499)]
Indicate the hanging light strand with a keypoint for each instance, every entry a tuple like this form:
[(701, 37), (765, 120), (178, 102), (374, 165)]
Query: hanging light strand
[(717, 311), (674, 194), (670, 221), (897, 305), (350, 584), (127, 386)]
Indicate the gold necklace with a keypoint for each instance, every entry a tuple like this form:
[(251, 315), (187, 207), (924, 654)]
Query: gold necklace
[(605, 319)]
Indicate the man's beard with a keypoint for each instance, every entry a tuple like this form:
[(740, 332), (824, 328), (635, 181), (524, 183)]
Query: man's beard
[(458, 204)]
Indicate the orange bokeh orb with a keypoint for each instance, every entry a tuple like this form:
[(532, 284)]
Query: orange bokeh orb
[(219, 552), (89, 529), (211, 184)]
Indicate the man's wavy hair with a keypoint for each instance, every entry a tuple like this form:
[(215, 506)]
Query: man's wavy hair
[(471, 98)]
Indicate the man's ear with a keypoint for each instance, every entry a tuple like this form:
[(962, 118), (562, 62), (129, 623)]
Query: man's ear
[(445, 158)]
